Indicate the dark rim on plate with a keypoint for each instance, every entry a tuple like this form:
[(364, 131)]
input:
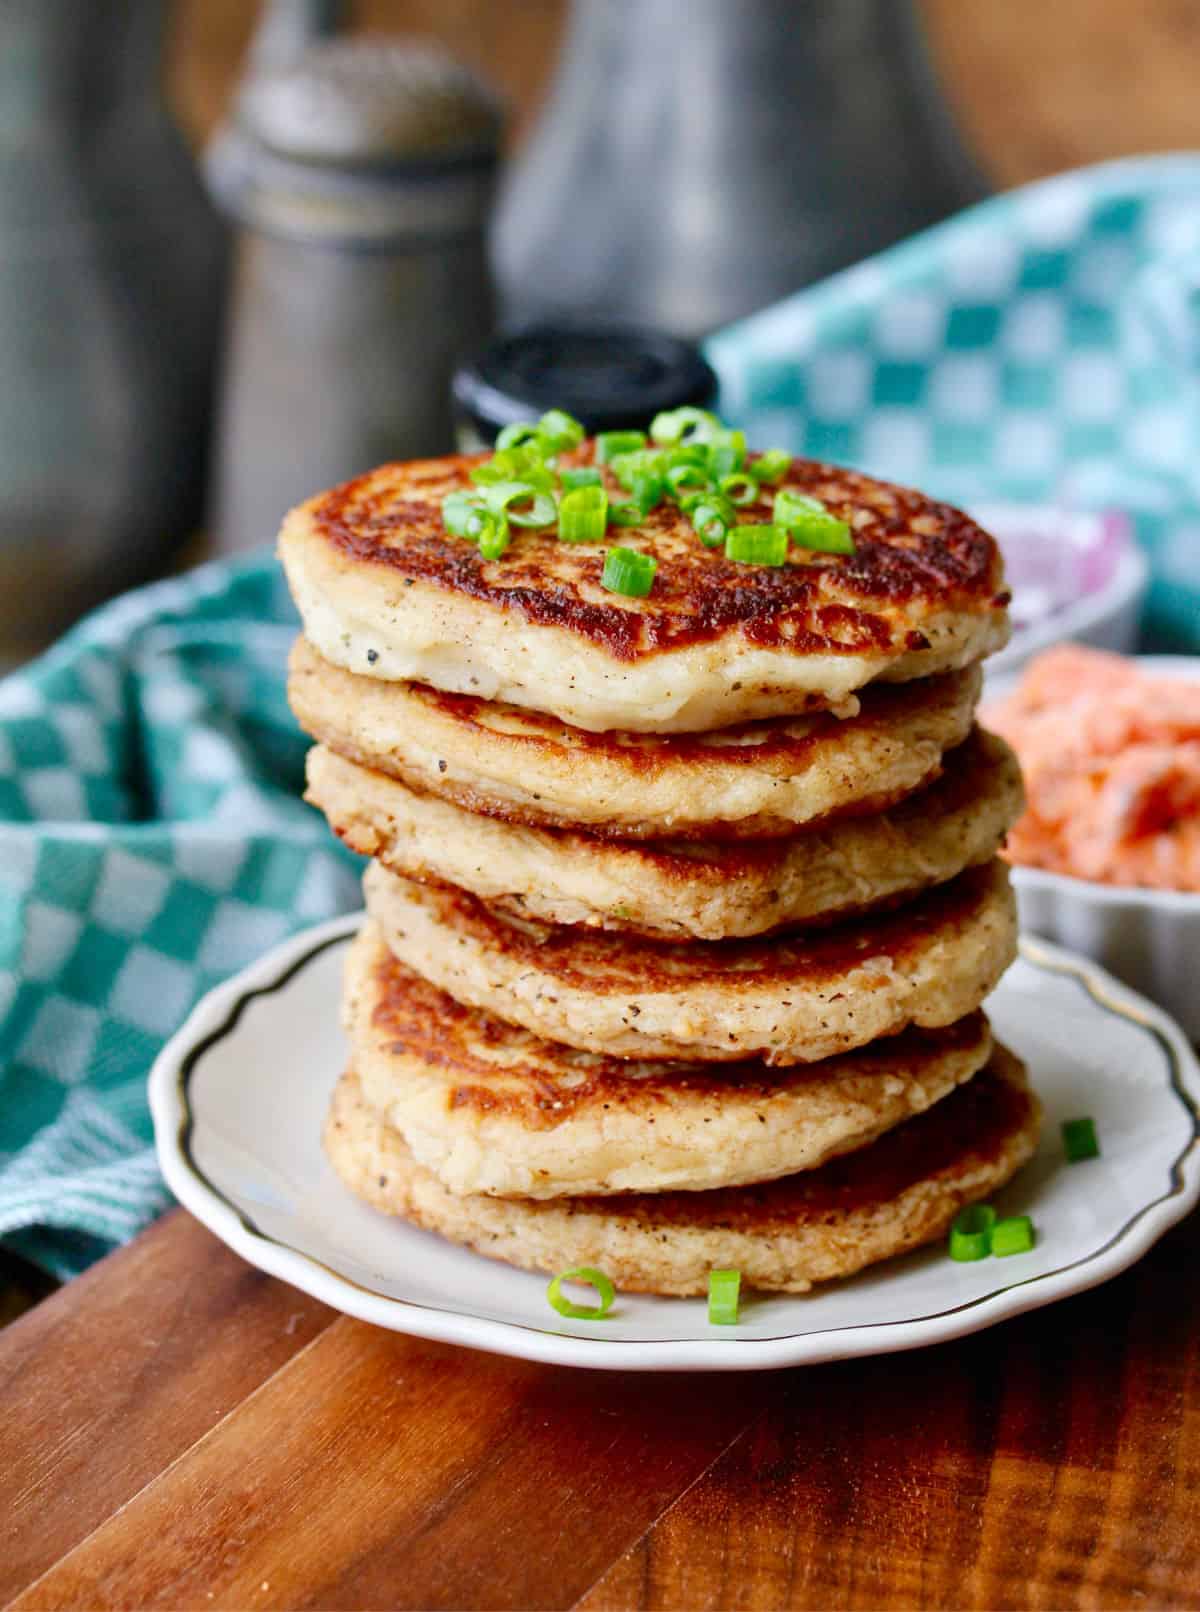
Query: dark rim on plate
[(1030, 952)]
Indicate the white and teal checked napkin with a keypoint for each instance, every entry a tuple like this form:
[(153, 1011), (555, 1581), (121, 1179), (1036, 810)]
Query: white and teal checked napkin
[(1045, 346), (153, 841)]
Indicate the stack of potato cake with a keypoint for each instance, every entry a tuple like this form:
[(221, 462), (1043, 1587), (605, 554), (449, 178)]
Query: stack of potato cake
[(683, 902)]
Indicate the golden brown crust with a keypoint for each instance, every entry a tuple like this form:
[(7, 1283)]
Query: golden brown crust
[(749, 781), (492, 1067), (793, 998), (912, 555), (710, 890), (901, 1191), (491, 1108)]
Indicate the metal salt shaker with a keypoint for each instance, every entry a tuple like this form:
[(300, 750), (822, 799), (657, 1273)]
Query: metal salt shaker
[(362, 172)]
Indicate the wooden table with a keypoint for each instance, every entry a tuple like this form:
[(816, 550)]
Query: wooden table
[(178, 1430)]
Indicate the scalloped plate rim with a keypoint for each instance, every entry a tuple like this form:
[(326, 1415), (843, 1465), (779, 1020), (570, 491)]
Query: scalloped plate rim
[(216, 1016)]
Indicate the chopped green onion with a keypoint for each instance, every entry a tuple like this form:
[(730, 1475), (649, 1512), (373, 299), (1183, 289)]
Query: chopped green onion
[(629, 467), (1013, 1236), (723, 1289), (558, 431), (516, 464), (726, 453), (627, 514), (611, 443), (493, 536), (739, 488), (605, 1292), (511, 499), (629, 572), (971, 1232), (810, 524), (460, 513), (681, 478), (584, 476), (713, 519), (685, 455), (518, 435), (771, 466), (757, 545), (646, 493), (1079, 1139), (583, 515), (686, 424)]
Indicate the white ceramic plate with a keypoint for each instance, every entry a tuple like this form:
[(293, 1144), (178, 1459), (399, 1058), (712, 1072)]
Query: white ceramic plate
[(239, 1095), (1148, 938)]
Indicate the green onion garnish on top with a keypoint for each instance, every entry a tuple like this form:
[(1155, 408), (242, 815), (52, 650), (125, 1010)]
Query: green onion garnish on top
[(524, 505), (583, 515), (628, 572), (460, 513), (691, 457), (559, 431), (493, 536), (609, 444), (726, 453), (1015, 1235), (1079, 1140), (686, 478), (971, 1232), (683, 425), (518, 435), (587, 1274), (712, 518), (739, 488), (723, 1291), (515, 464), (771, 466), (757, 545), (810, 525)]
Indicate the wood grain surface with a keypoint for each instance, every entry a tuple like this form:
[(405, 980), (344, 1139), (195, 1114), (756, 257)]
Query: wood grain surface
[(179, 1431)]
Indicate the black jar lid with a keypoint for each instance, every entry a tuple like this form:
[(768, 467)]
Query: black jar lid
[(610, 377)]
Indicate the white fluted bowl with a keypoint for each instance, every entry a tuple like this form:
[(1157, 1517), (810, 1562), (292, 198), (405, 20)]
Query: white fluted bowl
[(1148, 938)]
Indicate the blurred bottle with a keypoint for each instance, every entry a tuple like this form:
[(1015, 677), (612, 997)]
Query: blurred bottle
[(362, 172), (111, 266), (696, 162)]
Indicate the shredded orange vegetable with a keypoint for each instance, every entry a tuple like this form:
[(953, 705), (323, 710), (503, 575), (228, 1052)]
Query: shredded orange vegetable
[(1111, 757)]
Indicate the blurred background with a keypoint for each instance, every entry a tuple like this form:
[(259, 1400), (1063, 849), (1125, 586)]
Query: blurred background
[(1037, 87), (250, 249), (245, 248)]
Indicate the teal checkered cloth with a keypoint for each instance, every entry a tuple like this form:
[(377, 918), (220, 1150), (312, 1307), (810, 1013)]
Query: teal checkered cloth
[(153, 842), (1043, 346)]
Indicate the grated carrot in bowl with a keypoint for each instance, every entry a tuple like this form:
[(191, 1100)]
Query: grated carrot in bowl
[(1111, 758)]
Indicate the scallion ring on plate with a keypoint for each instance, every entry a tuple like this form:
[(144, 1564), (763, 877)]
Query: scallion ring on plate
[(593, 1278), (971, 1232), (724, 1289)]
